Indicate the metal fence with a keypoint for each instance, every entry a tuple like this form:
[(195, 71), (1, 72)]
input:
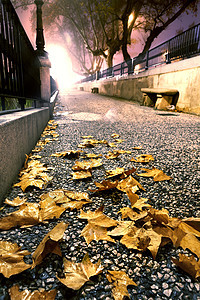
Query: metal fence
[(19, 65), (183, 45)]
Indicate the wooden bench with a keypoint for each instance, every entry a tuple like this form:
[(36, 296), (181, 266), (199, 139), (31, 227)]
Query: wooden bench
[(161, 98)]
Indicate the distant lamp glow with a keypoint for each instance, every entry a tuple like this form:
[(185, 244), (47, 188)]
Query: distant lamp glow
[(61, 69), (137, 68), (130, 19)]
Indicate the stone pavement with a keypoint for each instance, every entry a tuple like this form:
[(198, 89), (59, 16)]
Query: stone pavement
[(172, 139)]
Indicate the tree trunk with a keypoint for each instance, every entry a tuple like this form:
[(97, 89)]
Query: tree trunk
[(109, 59)]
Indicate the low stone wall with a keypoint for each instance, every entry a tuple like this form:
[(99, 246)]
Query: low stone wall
[(19, 132), (183, 75)]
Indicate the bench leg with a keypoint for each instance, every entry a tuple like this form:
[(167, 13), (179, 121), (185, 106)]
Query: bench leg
[(164, 102), (149, 100)]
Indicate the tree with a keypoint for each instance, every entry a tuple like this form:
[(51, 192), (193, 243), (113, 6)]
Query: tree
[(100, 28)]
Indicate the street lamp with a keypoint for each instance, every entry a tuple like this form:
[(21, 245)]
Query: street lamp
[(39, 31)]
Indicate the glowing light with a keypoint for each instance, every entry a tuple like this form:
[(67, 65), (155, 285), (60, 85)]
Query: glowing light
[(61, 66), (130, 19)]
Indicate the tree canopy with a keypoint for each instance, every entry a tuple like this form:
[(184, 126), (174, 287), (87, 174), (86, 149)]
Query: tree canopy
[(93, 30)]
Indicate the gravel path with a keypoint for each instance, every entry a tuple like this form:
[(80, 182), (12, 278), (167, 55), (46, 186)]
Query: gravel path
[(172, 139)]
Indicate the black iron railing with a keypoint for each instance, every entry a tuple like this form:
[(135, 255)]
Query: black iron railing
[(183, 45), (19, 65)]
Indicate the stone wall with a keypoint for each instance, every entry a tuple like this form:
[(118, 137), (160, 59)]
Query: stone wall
[(183, 75), (19, 132)]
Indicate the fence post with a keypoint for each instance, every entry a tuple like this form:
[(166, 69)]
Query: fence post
[(45, 64)]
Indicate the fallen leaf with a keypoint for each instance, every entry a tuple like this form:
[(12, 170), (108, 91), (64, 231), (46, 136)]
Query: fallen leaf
[(115, 136), (28, 214), (143, 158), (87, 165), (15, 202), (188, 265), (81, 174), (137, 148), (118, 141), (49, 244), (50, 211), (141, 203), (115, 172), (104, 185), (87, 137), (15, 294), (67, 154), (128, 184), (112, 155), (193, 222), (11, 259), (189, 241), (94, 232), (161, 216), (120, 281), (123, 227), (98, 218), (93, 155), (128, 212), (77, 274), (157, 174)]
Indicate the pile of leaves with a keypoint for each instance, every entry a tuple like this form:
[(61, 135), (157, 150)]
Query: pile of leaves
[(139, 226)]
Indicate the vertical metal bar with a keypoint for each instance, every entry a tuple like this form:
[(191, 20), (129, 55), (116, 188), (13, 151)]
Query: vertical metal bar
[(147, 61), (3, 103)]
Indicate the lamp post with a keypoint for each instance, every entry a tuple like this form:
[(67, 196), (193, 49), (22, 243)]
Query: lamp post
[(39, 31)]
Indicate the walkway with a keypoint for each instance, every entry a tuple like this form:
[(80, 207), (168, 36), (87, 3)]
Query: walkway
[(173, 141)]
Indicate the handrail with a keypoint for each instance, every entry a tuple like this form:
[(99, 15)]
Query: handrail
[(19, 64), (181, 46)]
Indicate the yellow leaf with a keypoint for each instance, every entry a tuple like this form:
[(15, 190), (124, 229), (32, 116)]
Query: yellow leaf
[(112, 155), (77, 274), (189, 265), (50, 211), (15, 294), (98, 218), (128, 183), (11, 259), (49, 243), (143, 158), (189, 241), (87, 137), (92, 155), (104, 185), (81, 174), (120, 281), (157, 174), (67, 154), (86, 165), (141, 203), (161, 216), (15, 202), (94, 232), (115, 135), (28, 214), (136, 239), (193, 222), (137, 148), (118, 141), (112, 173), (74, 204), (124, 227), (128, 212)]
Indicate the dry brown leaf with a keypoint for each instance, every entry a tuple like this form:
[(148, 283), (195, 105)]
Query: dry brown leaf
[(124, 227), (115, 135), (143, 158), (94, 232), (189, 265), (157, 174), (81, 174), (49, 244), (16, 294), (104, 185), (137, 148), (115, 172), (50, 211), (11, 259), (88, 143), (128, 183), (128, 212), (74, 204), (189, 241), (93, 155), (68, 154), (161, 216), (141, 203), (193, 222), (87, 165), (98, 218), (118, 141), (28, 214), (132, 196), (87, 137), (77, 274), (188, 229), (141, 239), (120, 281), (15, 202), (112, 155)]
